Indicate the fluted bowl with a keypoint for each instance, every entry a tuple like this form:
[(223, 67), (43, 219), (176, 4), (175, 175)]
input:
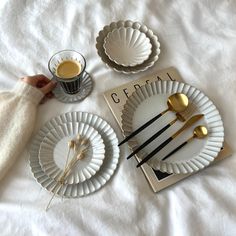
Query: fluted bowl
[(127, 46)]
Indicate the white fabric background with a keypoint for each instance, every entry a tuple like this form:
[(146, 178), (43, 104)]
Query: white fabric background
[(198, 38)]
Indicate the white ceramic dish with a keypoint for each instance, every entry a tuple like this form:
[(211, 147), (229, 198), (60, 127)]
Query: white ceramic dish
[(127, 46), (54, 149), (150, 100), (91, 185), (127, 69)]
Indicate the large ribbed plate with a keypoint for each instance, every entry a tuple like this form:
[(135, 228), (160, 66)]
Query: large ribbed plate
[(54, 150), (150, 100), (135, 25), (95, 182)]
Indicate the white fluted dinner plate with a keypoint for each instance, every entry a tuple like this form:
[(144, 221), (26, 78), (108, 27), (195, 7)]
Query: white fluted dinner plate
[(54, 150), (127, 46), (128, 69), (150, 100), (95, 182)]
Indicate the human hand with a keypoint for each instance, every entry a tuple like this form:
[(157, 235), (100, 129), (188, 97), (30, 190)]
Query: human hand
[(41, 82)]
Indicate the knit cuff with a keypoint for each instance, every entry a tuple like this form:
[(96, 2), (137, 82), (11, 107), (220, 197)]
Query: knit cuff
[(28, 92)]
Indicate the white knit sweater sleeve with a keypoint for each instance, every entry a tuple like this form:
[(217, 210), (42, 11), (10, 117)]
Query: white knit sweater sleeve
[(17, 117)]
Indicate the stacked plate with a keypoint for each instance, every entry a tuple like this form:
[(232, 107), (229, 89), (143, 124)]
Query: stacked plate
[(128, 47), (49, 150)]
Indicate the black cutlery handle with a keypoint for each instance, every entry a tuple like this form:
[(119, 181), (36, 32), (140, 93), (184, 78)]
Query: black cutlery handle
[(175, 150), (141, 128), (156, 150), (150, 140)]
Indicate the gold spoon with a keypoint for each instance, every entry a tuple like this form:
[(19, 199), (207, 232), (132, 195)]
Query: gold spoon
[(177, 102), (199, 132)]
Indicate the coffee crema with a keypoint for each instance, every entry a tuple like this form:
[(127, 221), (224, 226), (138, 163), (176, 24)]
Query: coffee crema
[(68, 69)]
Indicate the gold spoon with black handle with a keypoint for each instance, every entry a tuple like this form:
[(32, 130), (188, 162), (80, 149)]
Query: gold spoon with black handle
[(189, 123), (199, 132), (179, 117), (177, 102)]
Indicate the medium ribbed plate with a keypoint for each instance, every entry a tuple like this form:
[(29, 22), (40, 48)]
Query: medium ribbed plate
[(107, 169), (150, 100), (54, 149)]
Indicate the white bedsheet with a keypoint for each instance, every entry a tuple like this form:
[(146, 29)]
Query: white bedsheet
[(199, 39)]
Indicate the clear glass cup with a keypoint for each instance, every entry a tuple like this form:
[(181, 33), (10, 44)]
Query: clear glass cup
[(69, 85)]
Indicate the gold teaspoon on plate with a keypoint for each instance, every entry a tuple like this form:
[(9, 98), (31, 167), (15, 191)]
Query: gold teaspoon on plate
[(199, 132), (177, 102)]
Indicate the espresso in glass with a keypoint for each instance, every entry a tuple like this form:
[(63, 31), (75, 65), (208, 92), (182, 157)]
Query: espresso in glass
[(68, 68)]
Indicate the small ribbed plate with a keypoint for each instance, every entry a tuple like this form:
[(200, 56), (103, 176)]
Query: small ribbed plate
[(54, 150)]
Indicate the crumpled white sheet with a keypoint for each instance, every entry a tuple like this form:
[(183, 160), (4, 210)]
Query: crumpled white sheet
[(198, 38)]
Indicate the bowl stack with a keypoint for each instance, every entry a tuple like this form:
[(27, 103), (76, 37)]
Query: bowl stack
[(127, 47)]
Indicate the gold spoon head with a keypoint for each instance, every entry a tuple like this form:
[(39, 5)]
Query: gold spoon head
[(177, 102), (200, 131)]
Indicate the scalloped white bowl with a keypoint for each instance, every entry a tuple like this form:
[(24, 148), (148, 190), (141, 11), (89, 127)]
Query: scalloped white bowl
[(127, 46), (134, 25)]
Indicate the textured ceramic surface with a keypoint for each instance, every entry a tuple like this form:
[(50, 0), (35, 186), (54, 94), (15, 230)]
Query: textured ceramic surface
[(107, 169), (86, 89), (127, 69), (54, 150), (127, 46), (150, 100)]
